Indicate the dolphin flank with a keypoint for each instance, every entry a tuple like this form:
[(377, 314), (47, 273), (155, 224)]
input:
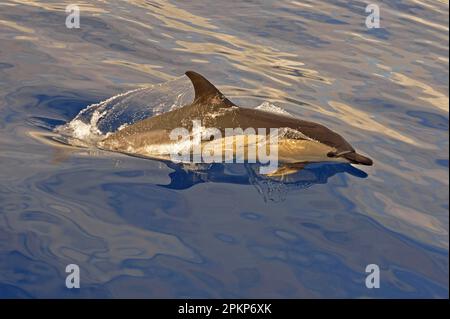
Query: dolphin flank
[(304, 142)]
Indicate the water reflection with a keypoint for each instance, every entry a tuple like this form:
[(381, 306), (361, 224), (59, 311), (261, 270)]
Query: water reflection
[(270, 188)]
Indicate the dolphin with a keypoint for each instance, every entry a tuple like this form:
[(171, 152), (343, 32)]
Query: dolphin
[(303, 141)]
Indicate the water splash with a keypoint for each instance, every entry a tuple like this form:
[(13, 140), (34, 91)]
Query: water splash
[(98, 120)]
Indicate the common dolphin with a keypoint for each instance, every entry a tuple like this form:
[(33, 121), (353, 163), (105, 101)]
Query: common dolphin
[(303, 142)]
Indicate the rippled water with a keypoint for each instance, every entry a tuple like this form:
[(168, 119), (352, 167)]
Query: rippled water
[(144, 228)]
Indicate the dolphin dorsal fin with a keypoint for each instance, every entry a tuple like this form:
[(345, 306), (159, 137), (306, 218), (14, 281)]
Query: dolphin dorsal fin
[(203, 88)]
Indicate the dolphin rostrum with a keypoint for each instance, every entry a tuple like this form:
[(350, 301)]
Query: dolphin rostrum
[(302, 141)]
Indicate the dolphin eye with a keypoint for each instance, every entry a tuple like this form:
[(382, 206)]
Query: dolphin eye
[(331, 154)]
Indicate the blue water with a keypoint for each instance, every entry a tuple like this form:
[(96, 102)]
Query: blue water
[(152, 229)]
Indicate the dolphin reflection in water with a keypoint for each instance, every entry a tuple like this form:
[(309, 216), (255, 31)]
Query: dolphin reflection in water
[(274, 188)]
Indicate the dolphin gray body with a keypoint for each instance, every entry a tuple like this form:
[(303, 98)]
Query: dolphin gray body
[(311, 142)]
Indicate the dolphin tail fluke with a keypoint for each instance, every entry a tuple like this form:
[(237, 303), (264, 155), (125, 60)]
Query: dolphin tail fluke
[(356, 158)]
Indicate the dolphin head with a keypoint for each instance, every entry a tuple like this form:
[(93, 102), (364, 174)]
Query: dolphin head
[(341, 151), (352, 156)]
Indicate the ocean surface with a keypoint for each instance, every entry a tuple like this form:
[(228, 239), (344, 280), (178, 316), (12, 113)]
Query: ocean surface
[(152, 229)]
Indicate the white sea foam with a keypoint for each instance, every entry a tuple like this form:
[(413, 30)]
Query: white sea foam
[(271, 108), (87, 132)]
